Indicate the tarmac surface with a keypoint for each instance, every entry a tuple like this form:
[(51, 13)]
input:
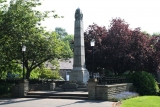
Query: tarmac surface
[(46, 102)]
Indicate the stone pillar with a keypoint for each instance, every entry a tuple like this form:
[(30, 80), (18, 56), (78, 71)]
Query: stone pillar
[(52, 86), (92, 88), (79, 73), (23, 88)]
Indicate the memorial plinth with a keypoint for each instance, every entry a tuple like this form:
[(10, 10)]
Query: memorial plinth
[(79, 72)]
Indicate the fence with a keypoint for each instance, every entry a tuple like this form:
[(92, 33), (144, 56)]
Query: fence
[(113, 80)]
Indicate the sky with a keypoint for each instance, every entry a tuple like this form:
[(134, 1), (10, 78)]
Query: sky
[(137, 13)]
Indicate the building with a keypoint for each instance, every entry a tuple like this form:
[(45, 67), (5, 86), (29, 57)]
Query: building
[(65, 67)]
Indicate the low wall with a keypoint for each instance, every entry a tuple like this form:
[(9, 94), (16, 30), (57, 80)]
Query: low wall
[(15, 91), (21, 89), (39, 87), (32, 87), (106, 92)]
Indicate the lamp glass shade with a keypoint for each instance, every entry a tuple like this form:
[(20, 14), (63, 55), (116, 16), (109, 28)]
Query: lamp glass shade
[(92, 42), (24, 48)]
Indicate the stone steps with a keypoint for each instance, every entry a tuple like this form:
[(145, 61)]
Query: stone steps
[(78, 89), (81, 87), (58, 95)]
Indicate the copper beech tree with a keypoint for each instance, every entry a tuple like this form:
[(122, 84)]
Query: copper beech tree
[(119, 48)]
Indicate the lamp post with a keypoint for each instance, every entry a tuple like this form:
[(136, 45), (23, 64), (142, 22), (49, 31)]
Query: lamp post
[(23, 50), (92, 43)]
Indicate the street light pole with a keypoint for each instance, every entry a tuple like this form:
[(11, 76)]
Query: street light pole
[(92, 44), (23, 50)]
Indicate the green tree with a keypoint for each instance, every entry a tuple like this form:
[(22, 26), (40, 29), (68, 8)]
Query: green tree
[(35, 74), (42, 49), (43, 72), (67, 52), (10, 71), (62, 32), (70, 39), (20, 26), (156, 34)]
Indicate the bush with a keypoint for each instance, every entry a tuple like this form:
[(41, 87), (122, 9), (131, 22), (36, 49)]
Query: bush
[(144, 83), (35, 73), (49, 74), (5, 88), (43, 73)]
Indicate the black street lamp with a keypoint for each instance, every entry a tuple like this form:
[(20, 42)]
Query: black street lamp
[(23, 50), (92, 42)]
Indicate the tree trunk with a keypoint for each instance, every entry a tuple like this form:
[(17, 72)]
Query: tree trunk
[(28, 74)]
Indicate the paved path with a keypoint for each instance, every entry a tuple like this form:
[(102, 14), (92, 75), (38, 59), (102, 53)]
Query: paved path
[(45, 102)]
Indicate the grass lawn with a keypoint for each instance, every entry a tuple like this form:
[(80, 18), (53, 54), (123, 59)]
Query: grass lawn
[(142, 101)]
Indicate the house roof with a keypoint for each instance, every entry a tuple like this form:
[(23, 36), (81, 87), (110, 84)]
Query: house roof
[(64, 64)]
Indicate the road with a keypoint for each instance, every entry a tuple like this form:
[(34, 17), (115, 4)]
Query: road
[(46, 102)]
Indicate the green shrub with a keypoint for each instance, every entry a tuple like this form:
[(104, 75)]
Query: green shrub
[(44, 74), (49, 74), (5, 88), (144, 83), (35, 73), (10, 71)]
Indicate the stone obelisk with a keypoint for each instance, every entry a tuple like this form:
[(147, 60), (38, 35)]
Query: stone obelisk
[(79, 72)]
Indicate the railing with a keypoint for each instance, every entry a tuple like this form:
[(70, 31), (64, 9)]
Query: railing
[(113, 80)]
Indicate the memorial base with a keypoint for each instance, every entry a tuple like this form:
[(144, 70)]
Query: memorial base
[(79, 76)]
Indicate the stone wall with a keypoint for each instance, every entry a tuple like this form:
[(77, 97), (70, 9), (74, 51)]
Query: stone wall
[(106, 92), (36, 87), (20, 91), (15, 91), (39, 87)]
